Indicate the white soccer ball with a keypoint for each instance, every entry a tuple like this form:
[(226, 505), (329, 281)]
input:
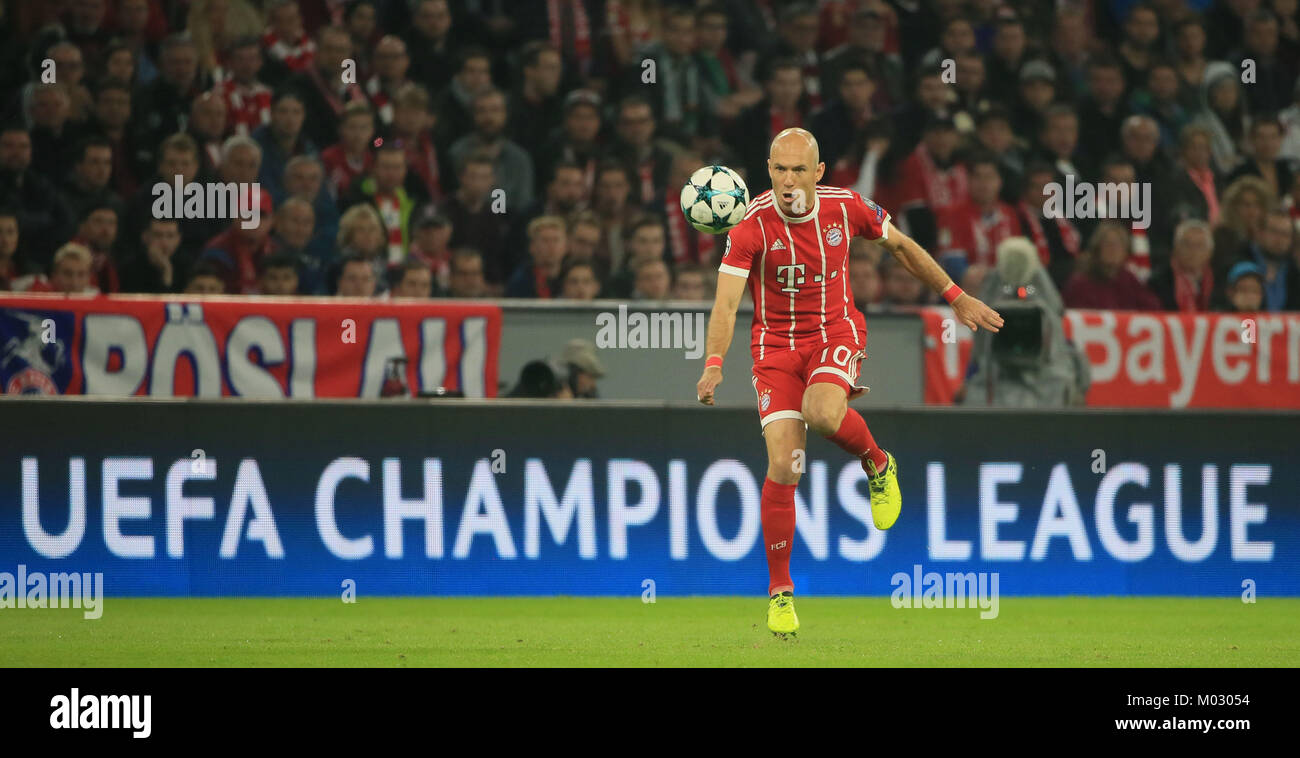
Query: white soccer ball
[(714, 199)]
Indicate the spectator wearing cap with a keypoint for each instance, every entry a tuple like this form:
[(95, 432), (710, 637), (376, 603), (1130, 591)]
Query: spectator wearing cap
[(538, 277), (535, 105), (579, 367), (1272, 253), (1264, 159), (1103, 110), (1245, 290), (351, 156), (513, 165), (473, 222), (431, 245), (578, 139), (1186, 283), (1037, 93), (838, 123), (237, 252), (282, 139), (865, 44), (1104, 280), (1223, 114)]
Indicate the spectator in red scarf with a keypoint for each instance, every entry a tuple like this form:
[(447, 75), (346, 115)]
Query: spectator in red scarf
[(539, 276), (1105, 281), (237, 252), (350, 157), (285, 39), (1195, 188), (981, 223), (1057, 239), (1187, 283)]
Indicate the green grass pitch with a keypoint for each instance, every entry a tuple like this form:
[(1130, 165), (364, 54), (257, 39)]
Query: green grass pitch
[(696, 631)]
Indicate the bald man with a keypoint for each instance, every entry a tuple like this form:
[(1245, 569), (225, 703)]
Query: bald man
[(792, 250)]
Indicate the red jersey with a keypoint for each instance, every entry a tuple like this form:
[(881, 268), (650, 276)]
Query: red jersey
[(798, 268)]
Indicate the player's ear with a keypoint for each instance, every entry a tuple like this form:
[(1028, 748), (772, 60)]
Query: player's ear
[(821, 169)]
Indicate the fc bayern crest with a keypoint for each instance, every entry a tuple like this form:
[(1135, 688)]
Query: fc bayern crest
[(834, 236), (764, 400)]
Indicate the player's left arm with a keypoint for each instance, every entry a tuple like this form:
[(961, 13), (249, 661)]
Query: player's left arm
[(969, 309)]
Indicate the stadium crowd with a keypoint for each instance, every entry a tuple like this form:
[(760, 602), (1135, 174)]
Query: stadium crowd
[(536, 148)]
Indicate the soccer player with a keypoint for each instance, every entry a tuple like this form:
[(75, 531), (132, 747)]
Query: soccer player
[(792, 249)]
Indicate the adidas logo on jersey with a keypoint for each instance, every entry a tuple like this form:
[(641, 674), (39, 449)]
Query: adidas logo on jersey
[(778, 245)]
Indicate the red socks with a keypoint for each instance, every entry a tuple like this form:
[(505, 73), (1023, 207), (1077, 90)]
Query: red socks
[(777, 512), (855, 439)]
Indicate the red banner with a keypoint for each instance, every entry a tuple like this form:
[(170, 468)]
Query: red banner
[(1153, 359), (250, 347)]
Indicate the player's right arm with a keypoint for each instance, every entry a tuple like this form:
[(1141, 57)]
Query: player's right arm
[(722, 325), (742, 242)]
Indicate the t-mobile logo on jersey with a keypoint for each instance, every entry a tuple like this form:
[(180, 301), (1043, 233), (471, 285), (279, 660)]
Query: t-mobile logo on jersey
[(790, 276)]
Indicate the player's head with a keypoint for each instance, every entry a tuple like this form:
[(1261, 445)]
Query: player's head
[(794, 164)]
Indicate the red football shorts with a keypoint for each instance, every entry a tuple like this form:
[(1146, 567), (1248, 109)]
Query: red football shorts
[(782, 376)]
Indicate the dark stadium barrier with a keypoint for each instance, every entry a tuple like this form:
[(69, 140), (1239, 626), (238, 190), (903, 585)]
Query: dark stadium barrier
[(447, 497)]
